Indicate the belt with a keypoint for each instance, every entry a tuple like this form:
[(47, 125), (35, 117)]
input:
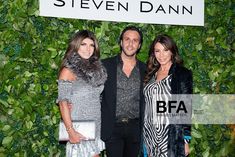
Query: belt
[(126, 120)]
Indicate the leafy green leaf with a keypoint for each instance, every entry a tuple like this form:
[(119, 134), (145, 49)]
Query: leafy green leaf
[(4, 103), (6, 127), (196, 134), (7, 140)]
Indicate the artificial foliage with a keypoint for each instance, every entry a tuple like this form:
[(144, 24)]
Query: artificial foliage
[(31, 50)]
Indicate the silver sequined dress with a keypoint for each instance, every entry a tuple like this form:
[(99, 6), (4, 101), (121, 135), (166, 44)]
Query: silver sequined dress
[(85, 100)]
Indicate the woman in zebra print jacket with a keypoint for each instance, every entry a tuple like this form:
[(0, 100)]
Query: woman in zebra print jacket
[(165, 76)]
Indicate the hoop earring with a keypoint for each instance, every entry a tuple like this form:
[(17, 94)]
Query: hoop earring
[(155, 62)]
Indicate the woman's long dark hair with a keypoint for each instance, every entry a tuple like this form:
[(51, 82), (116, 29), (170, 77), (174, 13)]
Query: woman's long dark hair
[(75, 43), (152, 64)]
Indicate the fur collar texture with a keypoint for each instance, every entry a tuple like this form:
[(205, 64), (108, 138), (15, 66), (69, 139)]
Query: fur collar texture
[(91, 70)]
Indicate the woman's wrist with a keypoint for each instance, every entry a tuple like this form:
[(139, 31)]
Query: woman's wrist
[(69, 129)]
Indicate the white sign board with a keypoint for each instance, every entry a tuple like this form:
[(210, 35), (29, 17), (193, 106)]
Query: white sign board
[(174, 12)]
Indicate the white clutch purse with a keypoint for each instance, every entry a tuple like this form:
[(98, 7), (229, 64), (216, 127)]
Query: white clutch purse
[(86, 128)]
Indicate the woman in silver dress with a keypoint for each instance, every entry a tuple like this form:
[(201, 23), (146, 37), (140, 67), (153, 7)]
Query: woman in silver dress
[(81, 80), (165, 76)]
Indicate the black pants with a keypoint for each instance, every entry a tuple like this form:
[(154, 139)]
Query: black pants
[(125, 140)]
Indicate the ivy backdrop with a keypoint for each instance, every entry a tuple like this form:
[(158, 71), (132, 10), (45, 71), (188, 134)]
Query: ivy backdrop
[(31, 49)]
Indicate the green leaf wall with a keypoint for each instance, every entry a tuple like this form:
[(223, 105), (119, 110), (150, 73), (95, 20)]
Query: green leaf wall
[(31, 49)]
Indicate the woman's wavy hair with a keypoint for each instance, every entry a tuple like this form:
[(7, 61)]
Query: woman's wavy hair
[(152, 64), (76, 41)]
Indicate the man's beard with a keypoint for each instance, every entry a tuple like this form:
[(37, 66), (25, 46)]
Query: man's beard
[(129, 55)]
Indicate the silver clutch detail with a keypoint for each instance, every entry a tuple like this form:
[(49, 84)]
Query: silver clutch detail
[(86, 128)]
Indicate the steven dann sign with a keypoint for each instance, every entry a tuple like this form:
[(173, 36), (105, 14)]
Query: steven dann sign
[(175, 12)]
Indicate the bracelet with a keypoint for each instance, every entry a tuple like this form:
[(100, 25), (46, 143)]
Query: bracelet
[(69, 128)]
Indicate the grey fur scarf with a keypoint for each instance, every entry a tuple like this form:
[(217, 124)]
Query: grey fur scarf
[(91, 70)]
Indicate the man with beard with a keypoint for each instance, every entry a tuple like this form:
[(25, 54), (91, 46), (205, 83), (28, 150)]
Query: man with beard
[(122, 98)]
